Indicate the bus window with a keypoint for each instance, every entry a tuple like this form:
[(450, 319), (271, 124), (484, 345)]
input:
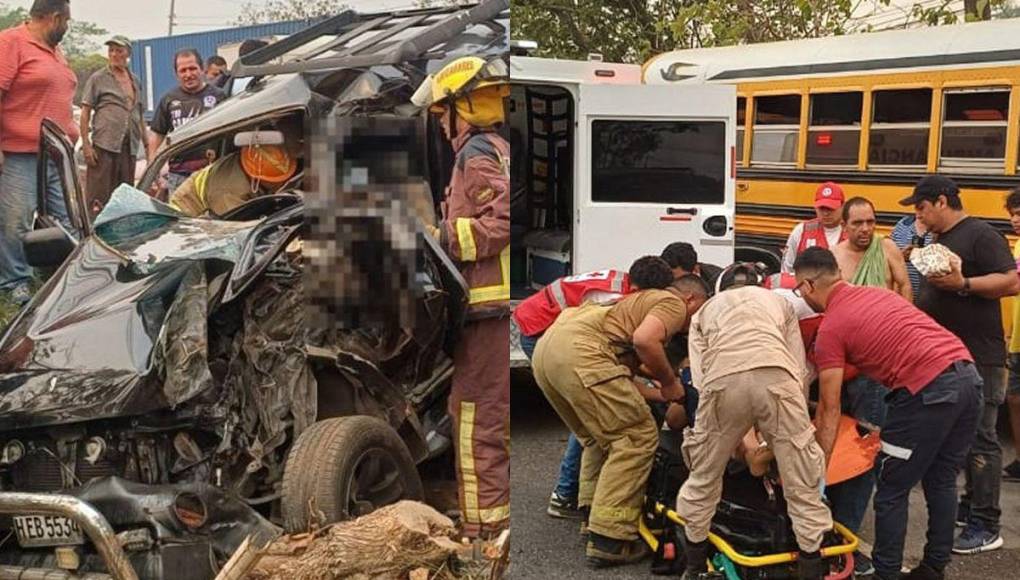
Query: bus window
[(741, 117), (834, 133), (900, 125), (658, 161), (776, 130), (974, 128)]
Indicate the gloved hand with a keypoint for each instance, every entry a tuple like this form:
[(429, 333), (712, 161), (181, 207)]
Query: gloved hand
[(433, 231)]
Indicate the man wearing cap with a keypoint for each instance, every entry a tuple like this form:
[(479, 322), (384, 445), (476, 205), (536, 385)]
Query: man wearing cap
[(824, 231), (966, 302), (112, 127)]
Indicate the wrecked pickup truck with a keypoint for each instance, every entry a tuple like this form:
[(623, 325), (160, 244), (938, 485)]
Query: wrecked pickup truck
[(172, 390)]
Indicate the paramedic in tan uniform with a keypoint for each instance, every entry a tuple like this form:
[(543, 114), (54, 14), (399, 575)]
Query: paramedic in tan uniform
[(747, 361), (584, 364)]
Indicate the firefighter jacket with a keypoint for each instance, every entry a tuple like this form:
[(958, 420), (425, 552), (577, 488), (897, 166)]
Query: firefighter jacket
[(476, 220)]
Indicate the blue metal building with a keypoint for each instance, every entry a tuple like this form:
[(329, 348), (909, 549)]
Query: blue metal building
[(152, 59)]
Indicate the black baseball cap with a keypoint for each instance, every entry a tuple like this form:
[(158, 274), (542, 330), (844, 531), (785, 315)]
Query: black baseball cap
[(930, 188)]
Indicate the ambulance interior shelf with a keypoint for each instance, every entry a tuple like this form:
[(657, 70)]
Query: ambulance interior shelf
[(542, 122)]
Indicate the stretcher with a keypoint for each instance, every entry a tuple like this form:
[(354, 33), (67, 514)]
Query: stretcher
[(751, 533)]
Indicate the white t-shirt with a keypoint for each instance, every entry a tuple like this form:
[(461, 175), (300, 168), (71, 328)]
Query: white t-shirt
[(793, 242)]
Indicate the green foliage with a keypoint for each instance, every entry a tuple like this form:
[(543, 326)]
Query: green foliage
[(634, 30), (255, 12)]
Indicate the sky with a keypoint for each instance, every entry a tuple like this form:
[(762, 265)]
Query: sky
[(139, 19)]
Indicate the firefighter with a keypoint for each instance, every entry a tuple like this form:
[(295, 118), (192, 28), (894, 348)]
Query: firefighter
[(467, 98)]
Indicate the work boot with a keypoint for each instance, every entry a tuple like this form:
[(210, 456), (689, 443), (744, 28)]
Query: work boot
[(696, 554), (604, 552), (811, 566), (924, 572)]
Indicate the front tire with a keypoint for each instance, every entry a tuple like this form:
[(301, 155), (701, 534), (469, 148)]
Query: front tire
[(346, 467)]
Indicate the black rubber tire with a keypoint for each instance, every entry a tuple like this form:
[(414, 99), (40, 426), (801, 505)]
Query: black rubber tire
[(324, 462)]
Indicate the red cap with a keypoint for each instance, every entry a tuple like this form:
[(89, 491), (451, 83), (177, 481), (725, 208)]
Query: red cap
[(829, 195)]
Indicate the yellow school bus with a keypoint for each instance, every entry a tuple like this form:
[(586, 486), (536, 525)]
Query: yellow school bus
[(873, 112)]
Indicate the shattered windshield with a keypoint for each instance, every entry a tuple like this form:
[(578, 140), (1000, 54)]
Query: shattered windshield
[(149, 232)]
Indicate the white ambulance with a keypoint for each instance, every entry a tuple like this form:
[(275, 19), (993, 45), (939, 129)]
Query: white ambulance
[(606, 169)]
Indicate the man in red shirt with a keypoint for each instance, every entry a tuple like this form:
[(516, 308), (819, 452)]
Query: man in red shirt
[(36, 83), (933, 407)]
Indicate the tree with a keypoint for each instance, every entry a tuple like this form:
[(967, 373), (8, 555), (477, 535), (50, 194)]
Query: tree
[(634, 30), (282, 10)]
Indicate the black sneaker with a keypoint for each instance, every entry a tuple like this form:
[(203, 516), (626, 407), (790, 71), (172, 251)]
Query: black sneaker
[(862, 565), (1012, 471), (562, 507), (604, 552), (924, 572)]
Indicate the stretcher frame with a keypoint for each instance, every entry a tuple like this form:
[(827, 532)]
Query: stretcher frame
[(849, 545)]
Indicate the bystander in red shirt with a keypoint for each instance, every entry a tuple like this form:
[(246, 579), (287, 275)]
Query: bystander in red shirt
[(895, 343), (37, 84)]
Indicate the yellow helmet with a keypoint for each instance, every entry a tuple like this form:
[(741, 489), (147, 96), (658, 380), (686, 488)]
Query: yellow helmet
[(476, 88)]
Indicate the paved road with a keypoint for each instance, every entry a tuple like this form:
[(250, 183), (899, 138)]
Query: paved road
[(545, 548)]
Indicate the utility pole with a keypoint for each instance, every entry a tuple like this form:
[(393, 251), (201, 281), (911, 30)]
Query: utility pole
[(172, 16)]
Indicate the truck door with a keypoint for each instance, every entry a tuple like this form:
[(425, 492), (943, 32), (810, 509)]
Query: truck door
[(655, 165)]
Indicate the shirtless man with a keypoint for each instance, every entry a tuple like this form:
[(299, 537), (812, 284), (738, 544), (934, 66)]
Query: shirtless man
[(862, 265)]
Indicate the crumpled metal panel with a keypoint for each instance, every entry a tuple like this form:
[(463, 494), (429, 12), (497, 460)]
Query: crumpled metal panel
[(184, 345), (269, 382)]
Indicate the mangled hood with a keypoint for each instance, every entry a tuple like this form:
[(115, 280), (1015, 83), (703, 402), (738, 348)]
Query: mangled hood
[(116, 331)]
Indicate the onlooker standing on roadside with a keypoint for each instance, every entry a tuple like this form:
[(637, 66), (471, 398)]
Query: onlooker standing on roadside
[(112, 126), (907, 234), (934, 404), (192, 97), (966, 302), (1012, 471), (36, 83), (216, 71), (825, 230)]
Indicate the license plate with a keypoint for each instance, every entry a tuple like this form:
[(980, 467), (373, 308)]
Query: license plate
[(38, 531)]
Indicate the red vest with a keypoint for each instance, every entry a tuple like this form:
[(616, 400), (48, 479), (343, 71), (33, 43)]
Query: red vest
[(537, 313), (813, 234)]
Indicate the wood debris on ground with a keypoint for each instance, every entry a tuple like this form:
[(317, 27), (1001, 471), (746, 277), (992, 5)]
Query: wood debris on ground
[(406, 541)]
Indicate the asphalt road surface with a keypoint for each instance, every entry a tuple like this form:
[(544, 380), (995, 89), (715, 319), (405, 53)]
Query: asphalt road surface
[(546, 548)]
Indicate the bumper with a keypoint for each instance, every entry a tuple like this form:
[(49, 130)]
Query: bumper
[(91, 522)]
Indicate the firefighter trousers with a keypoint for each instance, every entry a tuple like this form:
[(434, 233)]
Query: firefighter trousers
[(597, 400), (480, 408), (773, 401)]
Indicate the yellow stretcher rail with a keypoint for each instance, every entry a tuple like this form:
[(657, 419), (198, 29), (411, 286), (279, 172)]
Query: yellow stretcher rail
[(849, 545)]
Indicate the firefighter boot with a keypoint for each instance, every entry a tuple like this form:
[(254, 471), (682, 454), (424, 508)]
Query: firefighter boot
[(603, 552), (696, 555), (811, 566)]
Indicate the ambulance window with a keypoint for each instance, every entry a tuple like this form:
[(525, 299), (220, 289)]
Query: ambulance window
[(974, 128), (776, 130), (834, 133), (900, 125), (658, 161)]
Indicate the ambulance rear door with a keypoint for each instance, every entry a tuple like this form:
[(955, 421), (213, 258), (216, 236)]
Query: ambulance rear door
[(655, 165)]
